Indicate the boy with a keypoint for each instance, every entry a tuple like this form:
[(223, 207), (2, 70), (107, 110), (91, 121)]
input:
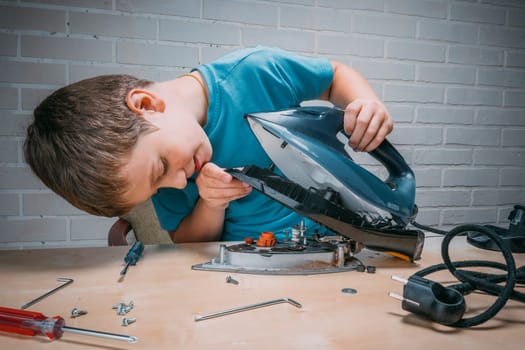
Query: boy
[(108, 143)]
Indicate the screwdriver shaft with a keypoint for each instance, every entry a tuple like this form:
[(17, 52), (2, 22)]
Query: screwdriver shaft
[(128, 338), (125, 269)]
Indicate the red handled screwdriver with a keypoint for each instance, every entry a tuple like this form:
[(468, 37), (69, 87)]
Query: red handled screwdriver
[(34, 323)]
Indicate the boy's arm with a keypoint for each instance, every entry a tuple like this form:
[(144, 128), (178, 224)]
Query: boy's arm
[(366, 117), (217, 189)]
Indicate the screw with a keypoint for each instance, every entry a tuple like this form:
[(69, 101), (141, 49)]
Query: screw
[(127, 321), (76, 312), (229, 279)]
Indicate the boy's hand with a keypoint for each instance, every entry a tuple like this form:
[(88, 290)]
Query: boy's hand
[(217, 188), (368, 122)]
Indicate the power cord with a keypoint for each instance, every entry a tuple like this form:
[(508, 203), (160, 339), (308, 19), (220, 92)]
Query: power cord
[(446, 305)]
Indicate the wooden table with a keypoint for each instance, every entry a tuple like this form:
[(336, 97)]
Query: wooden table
[(168, 295)]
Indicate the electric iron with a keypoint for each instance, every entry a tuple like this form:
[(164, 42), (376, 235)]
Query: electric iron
[(322, 182)]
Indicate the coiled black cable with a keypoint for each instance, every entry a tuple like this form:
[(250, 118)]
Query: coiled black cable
[(473, 280)]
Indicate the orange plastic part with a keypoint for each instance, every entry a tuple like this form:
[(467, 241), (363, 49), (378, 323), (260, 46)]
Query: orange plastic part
[(266, 239)]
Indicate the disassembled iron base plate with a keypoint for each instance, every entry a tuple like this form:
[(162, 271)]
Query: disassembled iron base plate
[(309, 256)]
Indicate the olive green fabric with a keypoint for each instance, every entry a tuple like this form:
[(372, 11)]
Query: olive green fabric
[(146, 226)]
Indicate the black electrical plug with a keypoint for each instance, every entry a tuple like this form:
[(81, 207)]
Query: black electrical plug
[(431, 299)]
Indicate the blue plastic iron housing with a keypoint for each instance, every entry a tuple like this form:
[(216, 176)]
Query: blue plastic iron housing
[(307, 144), (323, 183)]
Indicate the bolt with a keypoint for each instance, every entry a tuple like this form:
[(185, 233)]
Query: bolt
[(229, 279), (76, 312), (127, 321)]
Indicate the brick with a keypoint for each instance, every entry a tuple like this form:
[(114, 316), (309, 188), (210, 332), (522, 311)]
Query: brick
[(517, 18), (27, 18), (67, 48), (499, 157), (466, 12), (312, 18), (374, 5), (429, 217), (32, 97), (33, 230), (8, 44), (444, 115), (446, 74), (286, 39), (410, 135), (241, 12), (47, 204), (443, 156), (414, 93), (474, 96), (13, 123), (468, 215), (502, 37), (427, 177), (501, 77), (512, 176), (9, 204), (90, 228), (8, 151), (401, 113), (461, 176), (93, 4), (385, 70), (513, 138), (515, 59), (32, 73), (435, 9), (80, 72), (8, 98), (514, 98), (429, 198), (161, 7), (472, 136), (211, 53), (448, 31), (474, 55), (415, 51), (119, 26), (497, 196), (156, 54), (349, 45), (384, 25), (197, 32), (17, 178), (497, 116)]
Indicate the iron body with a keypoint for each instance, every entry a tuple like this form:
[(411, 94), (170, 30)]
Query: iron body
[(322, 181)]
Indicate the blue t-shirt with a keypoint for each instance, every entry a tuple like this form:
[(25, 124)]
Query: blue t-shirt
[(247, 81)]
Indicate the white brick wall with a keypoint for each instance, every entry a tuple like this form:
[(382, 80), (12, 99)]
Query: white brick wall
[(452, 73)]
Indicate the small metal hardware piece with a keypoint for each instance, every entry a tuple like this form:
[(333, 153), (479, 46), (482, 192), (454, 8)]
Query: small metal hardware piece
[(76, 312), (246, 308), (66, 281), (229, 279), (349, 290), (127, 321)]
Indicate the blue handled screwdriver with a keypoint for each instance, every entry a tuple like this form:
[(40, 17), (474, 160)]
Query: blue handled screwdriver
[(133, 255)]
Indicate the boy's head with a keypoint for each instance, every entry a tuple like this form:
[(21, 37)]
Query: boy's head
[(80, 138)]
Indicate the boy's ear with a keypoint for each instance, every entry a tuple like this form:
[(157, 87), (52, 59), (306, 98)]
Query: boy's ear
[(140, 101)]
